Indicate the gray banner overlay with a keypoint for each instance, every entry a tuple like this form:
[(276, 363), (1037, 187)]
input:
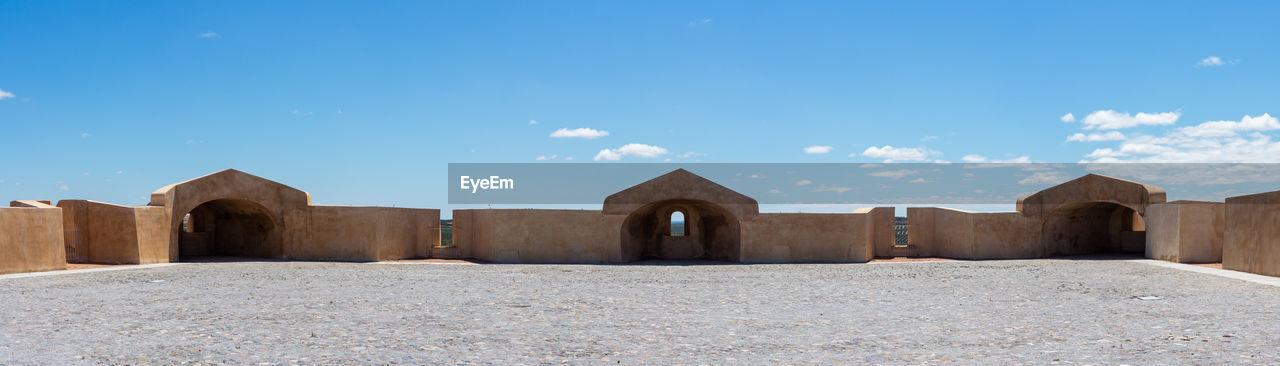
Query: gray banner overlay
[(845, 183)]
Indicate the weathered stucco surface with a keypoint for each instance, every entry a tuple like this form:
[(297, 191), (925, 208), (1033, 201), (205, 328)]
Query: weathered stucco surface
[(361, 233), (807, 237), (1185, 231), (1251, 238), (31, 239), (1090, 214), (98, 232), (538, 236)]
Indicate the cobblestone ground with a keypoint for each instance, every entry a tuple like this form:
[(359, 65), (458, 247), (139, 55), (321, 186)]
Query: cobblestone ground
[(1068, 311)]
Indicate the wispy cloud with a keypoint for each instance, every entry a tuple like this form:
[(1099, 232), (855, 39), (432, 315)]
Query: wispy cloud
[(891, 154), (817, 149), (533, 121), (929, 138), (804, 182), (586, 133), (1112, 120), (296, 112), (699, 21), (85, 135), (1067, 118), (894, 174), (5, 95), (1095, 137), (633, 149), (548, 157), (1211, 61), (975, 158), (211, 35)]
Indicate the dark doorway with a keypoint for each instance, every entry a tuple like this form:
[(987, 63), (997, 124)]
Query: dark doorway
[(681, 229), (1093, 228), (229, 228)]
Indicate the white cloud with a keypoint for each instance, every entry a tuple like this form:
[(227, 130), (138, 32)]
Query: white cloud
[(836, 189), (296, 112), (1112, 120), (1067, 118), (690, 155), (893, 174), (633, 149), (586, 133), (699, 21), (755, 176), (1210, 61), (533, 121), (1044, 178), (921, 180), (804, 182), (929, 138), (1213, 141), (119, 172), (209, 35), (774, 191), (1264, 122), (975, 158), (1095, 137), (85, 135), (5, 95), (545, 157), (817, 149), (891, 154)]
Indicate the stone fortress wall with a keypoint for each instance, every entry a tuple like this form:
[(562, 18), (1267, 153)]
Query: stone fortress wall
[(235, 214)]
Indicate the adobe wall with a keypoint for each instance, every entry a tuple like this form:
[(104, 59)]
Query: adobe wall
[(178, 199), (1251, 235), (810, 237), (538, 236), (97, 232), (950, 233), (31, 239), (360, 233), (1185, 231)]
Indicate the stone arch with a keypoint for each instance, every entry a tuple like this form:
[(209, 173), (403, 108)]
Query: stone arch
[(231, 227), (1092, 227), (249, 197), (712, 232)]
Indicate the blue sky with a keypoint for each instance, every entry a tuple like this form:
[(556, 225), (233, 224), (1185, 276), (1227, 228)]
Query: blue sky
[(365, 103)]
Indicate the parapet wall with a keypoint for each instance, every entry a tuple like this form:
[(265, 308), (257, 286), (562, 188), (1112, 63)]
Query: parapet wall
[(538, 236), (31, 239), (360, 233), (97, 232), (815, 237), (1185, 231), (1251, 236), (950, 233)]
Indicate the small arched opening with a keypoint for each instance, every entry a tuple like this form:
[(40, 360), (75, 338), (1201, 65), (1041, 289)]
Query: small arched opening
[(1094, 228), (680, 229), (229, 228), (675, 224)]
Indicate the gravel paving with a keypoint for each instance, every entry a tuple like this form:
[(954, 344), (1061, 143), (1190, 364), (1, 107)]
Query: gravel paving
[(1036, 311)]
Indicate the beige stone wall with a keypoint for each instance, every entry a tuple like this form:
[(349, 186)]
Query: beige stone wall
[(950, 233), (1185, 231), (360, 233), (97, 232), (538, 236), (1251, 236), (809, 237), (31, 240)]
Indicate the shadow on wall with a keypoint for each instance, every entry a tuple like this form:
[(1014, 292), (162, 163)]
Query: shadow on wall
[(230, 227), (709, 232)]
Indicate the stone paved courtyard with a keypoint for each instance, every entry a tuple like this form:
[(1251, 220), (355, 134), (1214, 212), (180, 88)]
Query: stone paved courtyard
[(1041, 311)]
